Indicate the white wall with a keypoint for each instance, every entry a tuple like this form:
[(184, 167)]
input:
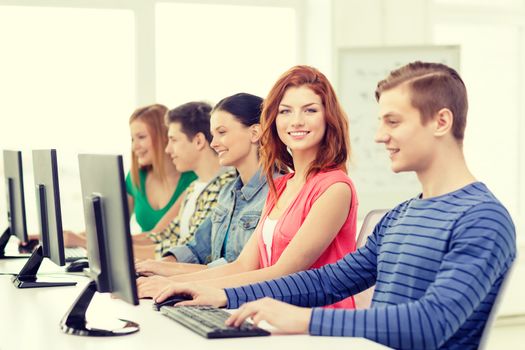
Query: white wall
[(378, 22)]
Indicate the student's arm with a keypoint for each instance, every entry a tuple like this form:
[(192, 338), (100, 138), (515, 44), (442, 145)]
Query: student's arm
[(317, 231), (481, 251), (182, 259), (350, 275), (198, 249), (141, 239), (72, 239), (247, 260), (131, 205), (315, 234), (164, 268), (143, 251)]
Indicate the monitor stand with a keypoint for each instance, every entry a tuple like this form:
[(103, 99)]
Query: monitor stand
[(74, 321), (27, 277), (3, 243)]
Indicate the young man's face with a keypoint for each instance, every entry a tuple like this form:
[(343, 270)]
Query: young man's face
[(183, 151), (409, 142)]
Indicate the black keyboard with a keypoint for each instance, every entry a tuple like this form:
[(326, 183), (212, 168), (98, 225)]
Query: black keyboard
[(209, 322)]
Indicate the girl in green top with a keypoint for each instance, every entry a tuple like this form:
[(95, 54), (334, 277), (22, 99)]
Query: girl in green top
[(153, 184), (146, 215)]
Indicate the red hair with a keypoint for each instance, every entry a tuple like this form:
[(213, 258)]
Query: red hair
[(334, 149), (153, 117)]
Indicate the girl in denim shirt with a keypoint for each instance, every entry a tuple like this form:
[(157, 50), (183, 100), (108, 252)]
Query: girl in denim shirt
[(221, 237)]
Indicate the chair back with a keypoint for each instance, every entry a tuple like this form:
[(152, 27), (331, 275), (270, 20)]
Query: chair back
[(495, 307), (364, 299), (369, 223)]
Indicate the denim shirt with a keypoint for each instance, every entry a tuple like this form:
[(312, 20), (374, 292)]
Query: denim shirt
[(238, 208)]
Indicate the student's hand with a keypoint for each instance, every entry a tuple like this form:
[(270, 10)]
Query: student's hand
[(31, 237), (72, 239), (149, 287), (30, 245), (201, 295), (285, 317), (151, 267), (34, 236)]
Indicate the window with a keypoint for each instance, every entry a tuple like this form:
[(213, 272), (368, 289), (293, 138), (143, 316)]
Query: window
[(73, 72), (66, 84)]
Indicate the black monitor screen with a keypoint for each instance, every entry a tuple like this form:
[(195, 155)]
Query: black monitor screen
[(48, 204), (110, 252), (107, 225), (50, 223), (14, 188), (16, 210)]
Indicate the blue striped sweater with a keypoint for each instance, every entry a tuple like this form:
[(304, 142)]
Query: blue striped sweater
[(437, 263)]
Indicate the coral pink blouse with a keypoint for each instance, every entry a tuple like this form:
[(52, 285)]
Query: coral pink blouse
[(294, 216)]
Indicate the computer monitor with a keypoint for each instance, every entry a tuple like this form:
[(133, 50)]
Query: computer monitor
[(110, 253), (45, 170), (16, 210)]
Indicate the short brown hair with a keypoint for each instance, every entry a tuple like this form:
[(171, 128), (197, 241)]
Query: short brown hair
[(153, 116), (193, 117), (335, 145), (433, 86)]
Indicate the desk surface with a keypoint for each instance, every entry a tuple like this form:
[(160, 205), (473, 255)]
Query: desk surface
[(31, 317)]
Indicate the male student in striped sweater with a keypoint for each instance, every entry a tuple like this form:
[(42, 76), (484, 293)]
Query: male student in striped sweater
[(437, 260)]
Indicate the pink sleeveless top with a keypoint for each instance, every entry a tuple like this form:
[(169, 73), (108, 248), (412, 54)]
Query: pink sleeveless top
[(294, 216)]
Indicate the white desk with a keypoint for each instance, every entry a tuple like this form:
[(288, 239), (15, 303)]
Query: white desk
[(31, 317)]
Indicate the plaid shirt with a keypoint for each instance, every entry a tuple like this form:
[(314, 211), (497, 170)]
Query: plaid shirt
[(171, 235)]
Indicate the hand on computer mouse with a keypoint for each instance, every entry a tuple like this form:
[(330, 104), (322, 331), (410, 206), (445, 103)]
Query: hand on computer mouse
[(201, 295), (171, 301), (78, 265), (29, 246)]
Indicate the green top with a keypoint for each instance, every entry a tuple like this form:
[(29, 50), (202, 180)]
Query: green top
[(146, 216)]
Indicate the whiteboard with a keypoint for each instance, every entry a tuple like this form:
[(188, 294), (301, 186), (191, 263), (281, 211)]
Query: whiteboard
[(359, 71)]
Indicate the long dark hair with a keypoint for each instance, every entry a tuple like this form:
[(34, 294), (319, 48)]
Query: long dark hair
[(246, 108)]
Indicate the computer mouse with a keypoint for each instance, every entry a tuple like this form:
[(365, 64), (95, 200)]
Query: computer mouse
[(174, 299), (28, 247), (78, 265)]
